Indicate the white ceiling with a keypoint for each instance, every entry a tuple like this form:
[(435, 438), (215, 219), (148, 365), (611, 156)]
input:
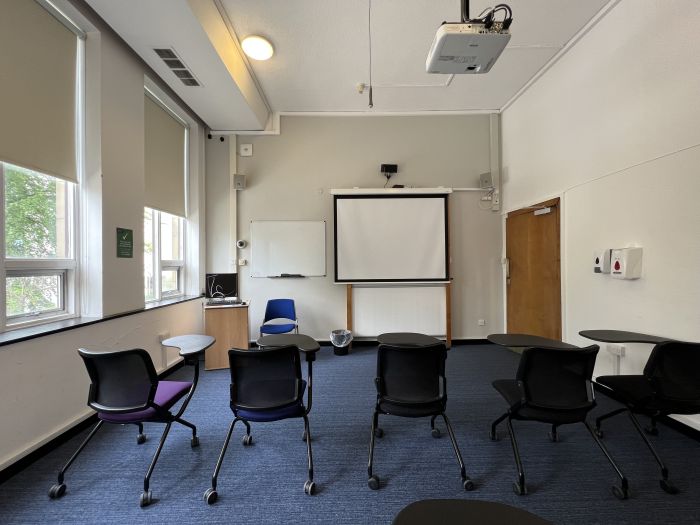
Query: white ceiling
[(322, 52)]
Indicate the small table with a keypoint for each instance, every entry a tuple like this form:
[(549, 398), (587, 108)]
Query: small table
[(620, 336), (461, 512), (407, 339), (526, 341), (190, 345), (304, 343)]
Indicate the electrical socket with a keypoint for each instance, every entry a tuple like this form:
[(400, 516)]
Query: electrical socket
[(242, 262), (615, 349), (481, 322)]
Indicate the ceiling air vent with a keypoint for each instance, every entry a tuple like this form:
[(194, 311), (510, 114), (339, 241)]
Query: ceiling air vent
[(178, 67)]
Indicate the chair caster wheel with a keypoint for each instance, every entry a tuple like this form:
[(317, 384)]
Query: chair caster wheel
[(435, 433), (373, 482), (141, 439), (194, 442), (146, 498), (378, 432), (57, 490), (620, 493), (210, 496), (553, 437), (309, 488), (303, 436), (247, 440), (468, 484), (493, 436), (599, 432), (668, 487), (653, 431), (521, 489)]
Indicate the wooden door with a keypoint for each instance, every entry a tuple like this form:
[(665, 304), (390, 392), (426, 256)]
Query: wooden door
[(533, 270)]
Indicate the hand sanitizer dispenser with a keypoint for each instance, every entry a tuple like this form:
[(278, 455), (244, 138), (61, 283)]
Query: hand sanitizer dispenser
[(601, 261), (626, 263)]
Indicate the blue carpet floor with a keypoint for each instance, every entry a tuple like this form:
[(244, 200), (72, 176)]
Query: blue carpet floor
[(569, 481)]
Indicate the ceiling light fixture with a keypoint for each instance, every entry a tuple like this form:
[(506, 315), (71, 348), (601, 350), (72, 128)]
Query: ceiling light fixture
[(257, 47)]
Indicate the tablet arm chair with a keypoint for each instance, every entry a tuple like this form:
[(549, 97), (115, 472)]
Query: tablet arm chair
[(125, 390), (279, 309), (267, 385), (552, 386), (411, 383), (669, 384)]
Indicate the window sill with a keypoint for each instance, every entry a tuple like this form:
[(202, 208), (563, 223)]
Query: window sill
[(24, 334)]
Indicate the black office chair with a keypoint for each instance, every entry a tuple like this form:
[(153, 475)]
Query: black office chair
[(266, 385), (125, 390), (411, 383), (552, 386), (670, 384)]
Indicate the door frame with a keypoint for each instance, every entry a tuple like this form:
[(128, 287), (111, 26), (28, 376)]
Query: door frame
[(562, 259)]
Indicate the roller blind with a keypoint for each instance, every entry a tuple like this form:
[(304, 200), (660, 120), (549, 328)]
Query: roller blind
[(165, 160), (38, 58)]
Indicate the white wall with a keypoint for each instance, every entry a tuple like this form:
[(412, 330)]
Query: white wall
[(220, 204), (614, 128), (289, 177)]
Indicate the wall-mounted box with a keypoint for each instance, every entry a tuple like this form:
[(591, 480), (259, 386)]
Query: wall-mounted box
[(626, 263), (601, 261)]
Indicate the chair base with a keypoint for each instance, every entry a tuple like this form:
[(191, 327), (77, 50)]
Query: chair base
[(376, 432)]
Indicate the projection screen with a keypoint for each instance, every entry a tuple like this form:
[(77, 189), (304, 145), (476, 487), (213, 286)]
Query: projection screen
[(397, 238)]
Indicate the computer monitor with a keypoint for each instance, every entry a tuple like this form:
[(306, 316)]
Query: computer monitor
[(222, 285)]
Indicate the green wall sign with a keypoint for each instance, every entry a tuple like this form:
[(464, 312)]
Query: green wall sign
[(125, 243)]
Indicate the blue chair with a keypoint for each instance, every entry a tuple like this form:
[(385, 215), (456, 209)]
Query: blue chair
[(279, 309), (266, 385), (125, 390)]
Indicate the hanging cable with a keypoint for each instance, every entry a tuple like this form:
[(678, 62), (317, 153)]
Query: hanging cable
[(369, 33)]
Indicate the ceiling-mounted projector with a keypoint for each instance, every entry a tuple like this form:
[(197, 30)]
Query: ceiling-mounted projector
[(472, 46)]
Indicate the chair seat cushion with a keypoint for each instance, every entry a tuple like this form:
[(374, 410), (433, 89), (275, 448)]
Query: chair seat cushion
[(636, 392), (512, 393), (417, 410), (295, 409), (167, 394), (277, 328)]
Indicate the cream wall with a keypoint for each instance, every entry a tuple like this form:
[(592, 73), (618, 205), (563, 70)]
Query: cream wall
[(614, 129), (44, 381), (112, 197), (289, 177)]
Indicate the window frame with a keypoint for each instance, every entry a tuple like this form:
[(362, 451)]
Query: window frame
[(160, 265), (66, 267)]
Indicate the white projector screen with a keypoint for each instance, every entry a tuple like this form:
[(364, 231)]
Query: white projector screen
[(396, 238)]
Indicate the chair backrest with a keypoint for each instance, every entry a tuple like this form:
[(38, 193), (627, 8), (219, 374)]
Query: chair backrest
[(122, 381), (411, 374), (280, 309), (673, 370), (558, 379), (265, 378)]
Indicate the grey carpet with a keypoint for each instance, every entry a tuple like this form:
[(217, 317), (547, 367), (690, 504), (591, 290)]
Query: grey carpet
[(569, 481)]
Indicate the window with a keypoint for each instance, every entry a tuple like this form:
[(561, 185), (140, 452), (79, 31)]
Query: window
[(37, 248), (163, 259)]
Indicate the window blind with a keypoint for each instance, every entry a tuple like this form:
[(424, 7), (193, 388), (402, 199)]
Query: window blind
[(165, 160), (38, 84)]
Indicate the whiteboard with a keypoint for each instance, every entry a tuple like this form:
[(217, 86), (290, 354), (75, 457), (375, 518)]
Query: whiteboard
[(288, 248), (391, 239)]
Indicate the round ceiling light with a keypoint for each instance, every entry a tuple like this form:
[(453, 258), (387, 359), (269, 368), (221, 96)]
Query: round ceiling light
[(257, 47)]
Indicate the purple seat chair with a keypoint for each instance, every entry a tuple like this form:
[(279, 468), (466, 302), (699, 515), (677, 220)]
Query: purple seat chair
[(125, 390)]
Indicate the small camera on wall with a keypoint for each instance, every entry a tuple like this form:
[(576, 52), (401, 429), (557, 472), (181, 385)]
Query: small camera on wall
[(240, 243)]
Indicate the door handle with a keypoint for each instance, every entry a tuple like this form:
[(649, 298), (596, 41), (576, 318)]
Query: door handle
[(506, 262)]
